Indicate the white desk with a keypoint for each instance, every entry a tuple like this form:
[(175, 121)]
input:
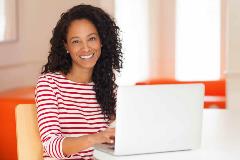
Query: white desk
[(220, 140)]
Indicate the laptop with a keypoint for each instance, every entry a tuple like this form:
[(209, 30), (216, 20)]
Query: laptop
[(157, 118)]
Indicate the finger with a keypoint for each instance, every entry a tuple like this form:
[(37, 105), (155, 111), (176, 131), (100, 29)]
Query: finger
[(112, 137), (111, 141)]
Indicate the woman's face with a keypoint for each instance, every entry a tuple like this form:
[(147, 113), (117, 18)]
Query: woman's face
[(83, 44)]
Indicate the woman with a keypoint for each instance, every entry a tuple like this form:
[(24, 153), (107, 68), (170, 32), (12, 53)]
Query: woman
[(76, 93)]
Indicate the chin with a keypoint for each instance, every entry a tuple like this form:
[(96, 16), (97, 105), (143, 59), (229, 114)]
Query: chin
[(88, 66)]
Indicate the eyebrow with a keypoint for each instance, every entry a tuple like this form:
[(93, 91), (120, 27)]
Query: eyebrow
[(73, 38), (92, 34)]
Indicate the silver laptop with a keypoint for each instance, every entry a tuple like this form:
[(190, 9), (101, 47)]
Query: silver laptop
[(157, 118)]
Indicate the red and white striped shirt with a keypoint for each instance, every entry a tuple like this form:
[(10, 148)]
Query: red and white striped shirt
[(66, 109)]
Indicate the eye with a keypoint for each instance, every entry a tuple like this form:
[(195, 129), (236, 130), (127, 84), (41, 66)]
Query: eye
[(92, 38), (75, 41)]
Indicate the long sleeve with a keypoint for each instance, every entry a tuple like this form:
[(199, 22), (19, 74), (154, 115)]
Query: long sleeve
[(48, 121)]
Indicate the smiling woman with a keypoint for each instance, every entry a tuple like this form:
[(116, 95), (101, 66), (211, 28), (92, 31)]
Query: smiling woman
[(76, 93), (8, 28)]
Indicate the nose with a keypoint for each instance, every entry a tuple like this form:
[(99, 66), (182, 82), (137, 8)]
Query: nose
[(85, 47)]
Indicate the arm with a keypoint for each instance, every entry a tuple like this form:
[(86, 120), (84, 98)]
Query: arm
[(48, 122), (75, 144)]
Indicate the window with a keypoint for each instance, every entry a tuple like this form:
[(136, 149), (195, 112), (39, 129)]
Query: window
[(2, 20), (132, 18), (198, 33), (8, 22)]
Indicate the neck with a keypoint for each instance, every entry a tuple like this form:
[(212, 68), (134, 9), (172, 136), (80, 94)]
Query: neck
[(80, 75)]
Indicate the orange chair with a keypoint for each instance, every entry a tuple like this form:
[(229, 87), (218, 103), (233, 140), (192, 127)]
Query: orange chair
[(8, 101), (215, 91)]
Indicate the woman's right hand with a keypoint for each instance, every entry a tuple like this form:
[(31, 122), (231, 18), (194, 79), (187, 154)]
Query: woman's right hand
[(106, 136)]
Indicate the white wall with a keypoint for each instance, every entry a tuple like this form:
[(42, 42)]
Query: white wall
[(233, 54), (108, 6), (21, 61)]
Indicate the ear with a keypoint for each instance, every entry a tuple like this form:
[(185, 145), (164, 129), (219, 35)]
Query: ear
[(66, 46)]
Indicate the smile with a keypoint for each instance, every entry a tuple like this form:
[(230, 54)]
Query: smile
[(87, 57)]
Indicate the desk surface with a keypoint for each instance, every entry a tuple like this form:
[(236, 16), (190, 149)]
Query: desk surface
[(220, 140)]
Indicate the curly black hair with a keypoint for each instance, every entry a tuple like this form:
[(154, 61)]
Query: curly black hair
[(109, 61)]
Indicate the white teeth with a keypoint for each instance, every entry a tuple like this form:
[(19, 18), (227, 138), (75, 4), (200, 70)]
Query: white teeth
[(87, 57)]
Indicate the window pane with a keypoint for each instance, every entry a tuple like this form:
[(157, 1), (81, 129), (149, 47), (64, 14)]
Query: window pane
[(132, 18), (197, 39), (2, 20)]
